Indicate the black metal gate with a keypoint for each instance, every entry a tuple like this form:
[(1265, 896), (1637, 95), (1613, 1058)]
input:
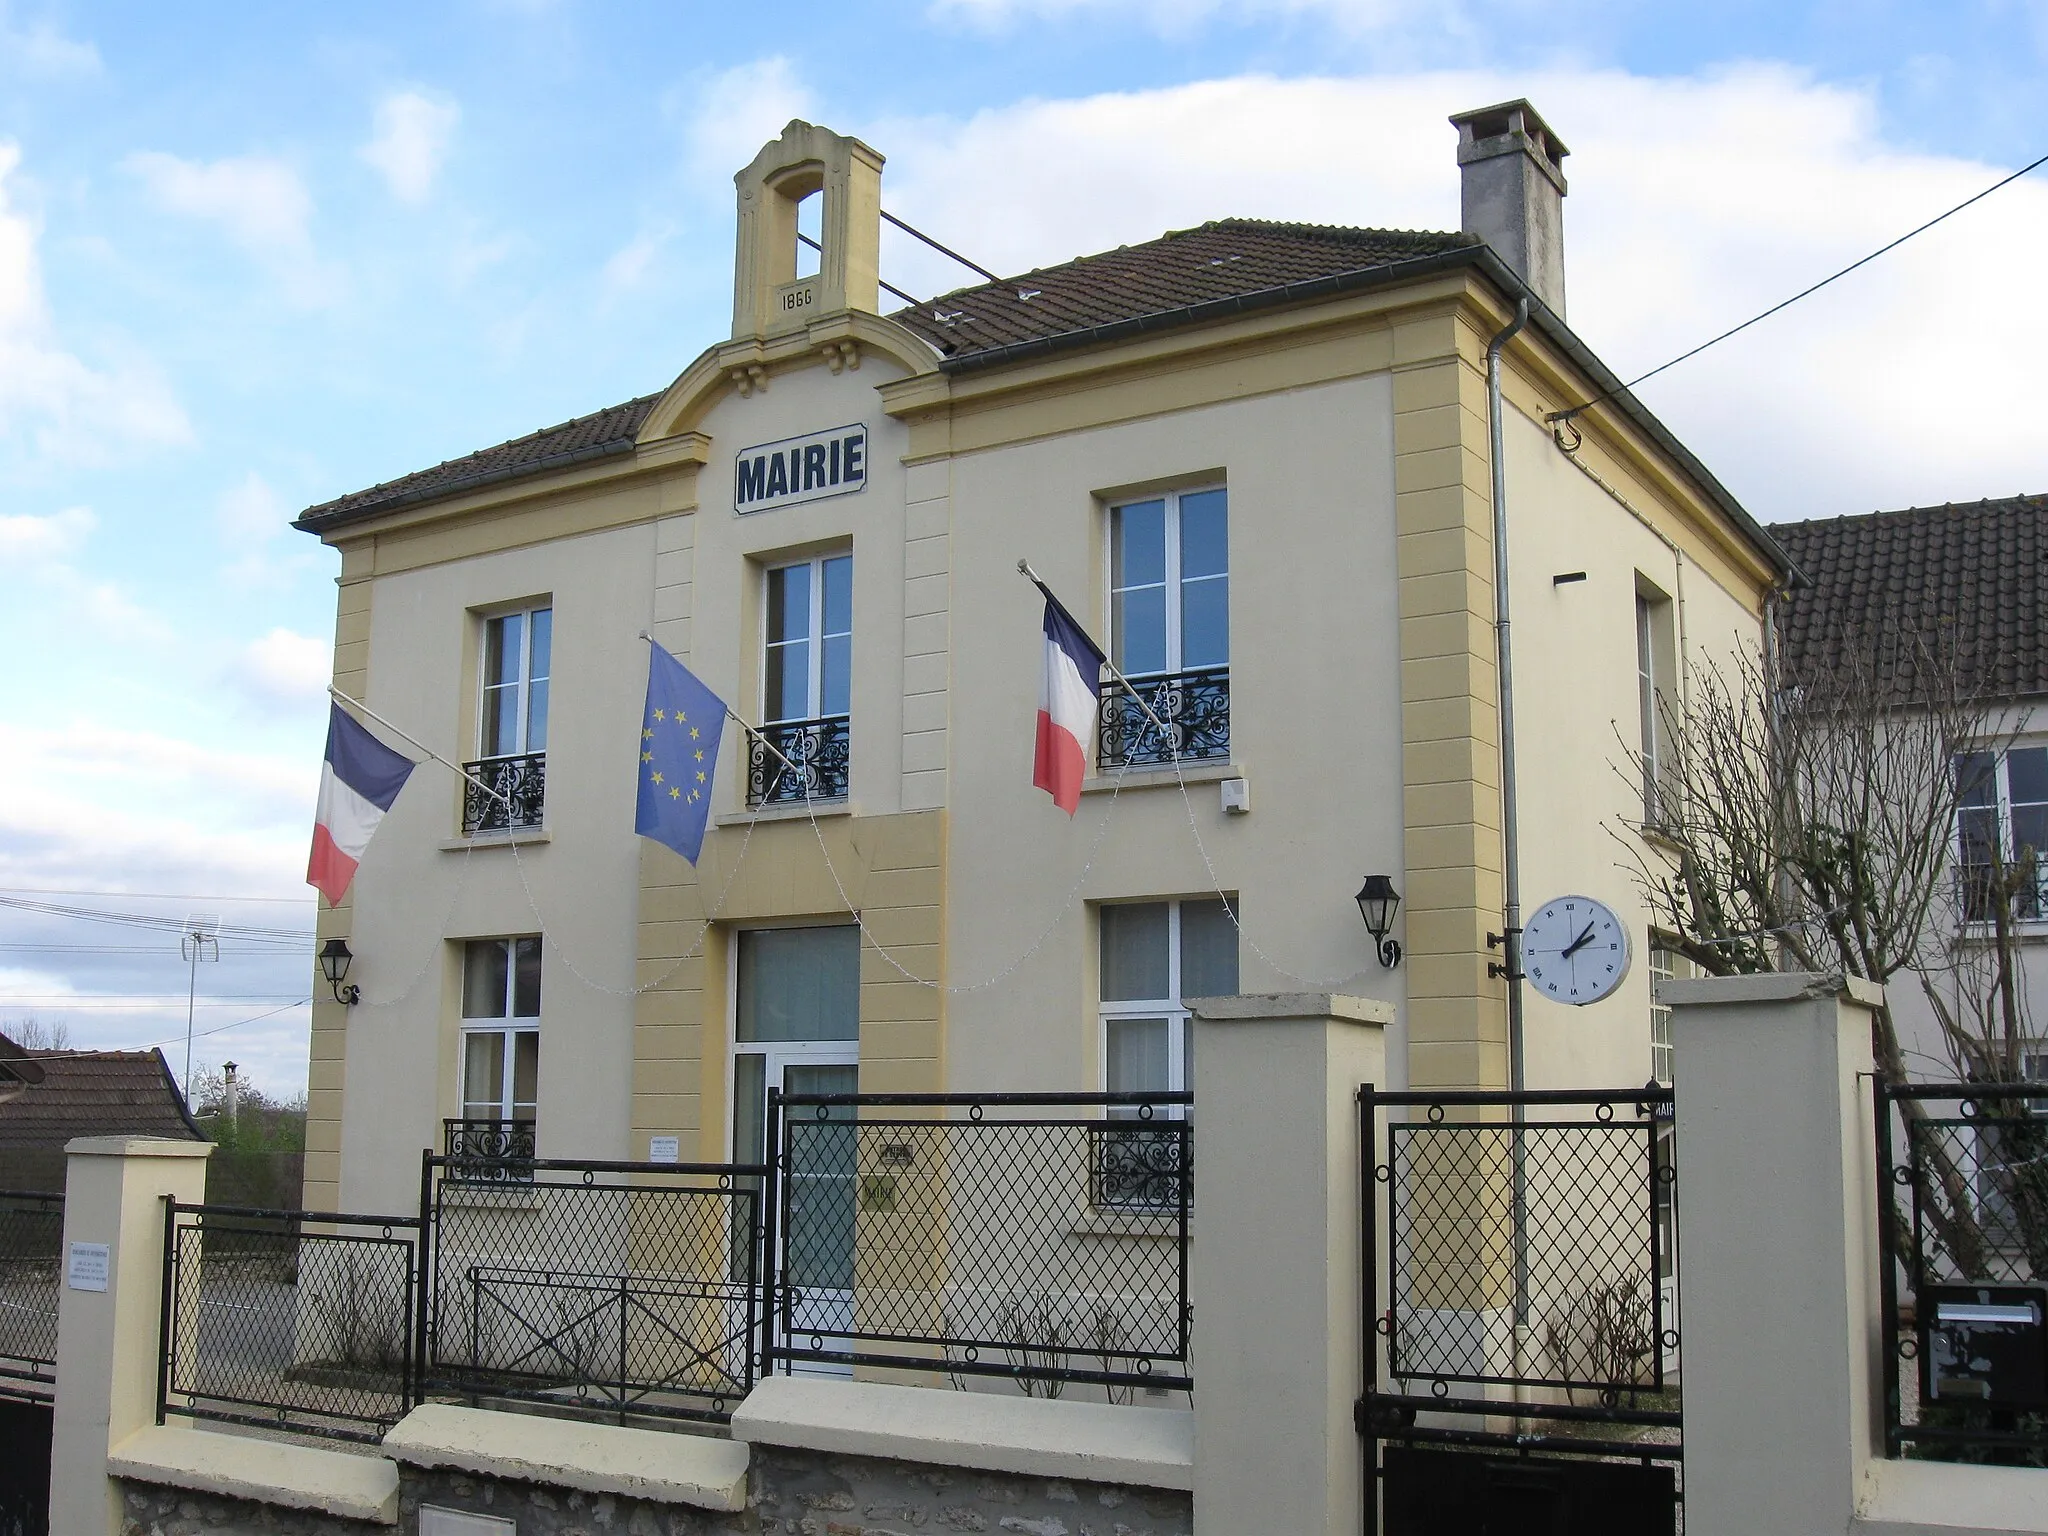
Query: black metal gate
[(1521, 1359), (24, 1467)]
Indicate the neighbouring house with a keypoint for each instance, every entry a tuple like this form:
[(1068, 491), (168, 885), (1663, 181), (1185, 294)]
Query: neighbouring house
[(49, 1097), (1253, 457), (1976, 574)]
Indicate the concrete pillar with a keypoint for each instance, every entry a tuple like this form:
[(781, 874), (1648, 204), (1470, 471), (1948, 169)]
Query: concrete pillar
[(1778, 1295), (107, 1341), (1275, 1279)]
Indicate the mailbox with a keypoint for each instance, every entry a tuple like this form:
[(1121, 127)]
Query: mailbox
[(1984, 1344)]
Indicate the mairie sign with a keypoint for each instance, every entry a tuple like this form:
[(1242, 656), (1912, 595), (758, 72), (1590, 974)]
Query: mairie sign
[(808, 468)]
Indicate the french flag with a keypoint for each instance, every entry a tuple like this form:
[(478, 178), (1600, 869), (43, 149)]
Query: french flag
[(358, 782), (1066, 708)]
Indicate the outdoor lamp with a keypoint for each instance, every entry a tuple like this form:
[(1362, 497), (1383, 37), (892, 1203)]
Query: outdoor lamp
[(1378, 901), (335, 956)]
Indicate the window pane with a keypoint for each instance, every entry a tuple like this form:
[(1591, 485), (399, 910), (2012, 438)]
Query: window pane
[(525, 1073), (1137, 546), (1205, 623), (1137, 1056), (835, 689), (839, 595), (483, 979), (1134, 952), (749, 1107), (1208, 950), (789, 681), (537, 717), (502, 647), (543, 622), (2026, 770), (1137, 627), (799, 984), (526, 978), (501, 721), (1976, 778), (483, 1076), (1204, 541), (789, 602), (1980, 835), (2029, 831)]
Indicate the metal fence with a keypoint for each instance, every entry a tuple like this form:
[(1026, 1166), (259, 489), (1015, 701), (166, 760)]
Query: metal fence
[(1529, 1263), (31, 1247), (622, 1289), (1039, 1237), (297, 1320), (1963, 1243)]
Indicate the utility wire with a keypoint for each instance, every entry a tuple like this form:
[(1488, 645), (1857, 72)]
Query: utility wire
[(223, 1028), (52, 890), (278, 937), (1563, 416)]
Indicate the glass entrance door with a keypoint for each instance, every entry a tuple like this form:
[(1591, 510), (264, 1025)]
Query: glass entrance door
[(796, 1028)]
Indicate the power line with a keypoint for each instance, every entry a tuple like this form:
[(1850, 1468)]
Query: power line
[(221, 1029), (1563, 416), (247, 934), (52, 890)]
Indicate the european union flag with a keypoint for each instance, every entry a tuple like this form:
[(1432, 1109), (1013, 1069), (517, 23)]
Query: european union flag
[(679, 733)]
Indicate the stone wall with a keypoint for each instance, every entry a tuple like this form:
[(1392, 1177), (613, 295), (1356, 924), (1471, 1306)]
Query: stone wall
[(802, 1493), (797, 1493), (150, 1510)]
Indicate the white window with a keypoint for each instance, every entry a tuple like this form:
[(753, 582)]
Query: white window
[(808, 670), (2002, 832), (1169, 583), (1155, 955), (515, 691), (501, 1029), (1653, 670), (1664, 964)]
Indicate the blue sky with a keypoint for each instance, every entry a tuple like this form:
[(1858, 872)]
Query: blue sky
[(253, 257)]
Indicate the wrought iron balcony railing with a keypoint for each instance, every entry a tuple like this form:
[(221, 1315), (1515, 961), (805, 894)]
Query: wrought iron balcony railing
[(1133, 1166), (490, 1151), (500, 794), (1193, 706), (820, 755), (2021, 887)]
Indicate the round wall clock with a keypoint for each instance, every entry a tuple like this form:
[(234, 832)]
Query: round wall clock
[(1575, 950)]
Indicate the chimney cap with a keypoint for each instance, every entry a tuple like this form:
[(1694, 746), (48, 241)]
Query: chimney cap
[(1506, 127)]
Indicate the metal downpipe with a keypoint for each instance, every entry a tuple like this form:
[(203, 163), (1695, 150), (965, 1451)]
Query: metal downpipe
[(1511, 858)]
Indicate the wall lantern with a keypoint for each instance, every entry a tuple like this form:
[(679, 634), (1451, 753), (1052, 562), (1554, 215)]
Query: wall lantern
[(1378, 901), (335, 956)]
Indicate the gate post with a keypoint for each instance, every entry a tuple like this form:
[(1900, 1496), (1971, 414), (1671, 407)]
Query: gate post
[(1276, 1254), (1778, 1281), (108, 1340)]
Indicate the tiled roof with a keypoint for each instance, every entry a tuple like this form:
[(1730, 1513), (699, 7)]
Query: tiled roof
[(596, 436), (1976, 572), (94, 1093), (1222, 260)]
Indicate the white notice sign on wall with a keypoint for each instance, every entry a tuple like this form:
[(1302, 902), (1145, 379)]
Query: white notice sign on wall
[(664, 1149), (89, 1267)]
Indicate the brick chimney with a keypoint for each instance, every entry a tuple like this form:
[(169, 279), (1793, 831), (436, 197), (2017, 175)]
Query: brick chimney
[(1512, 192)]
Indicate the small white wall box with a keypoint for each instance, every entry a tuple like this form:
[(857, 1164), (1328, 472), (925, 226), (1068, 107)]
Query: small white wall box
[(436, 1521), (1237, 796), (1984, 1344)]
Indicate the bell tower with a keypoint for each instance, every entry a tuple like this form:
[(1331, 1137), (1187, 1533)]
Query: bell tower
[(768, 298)]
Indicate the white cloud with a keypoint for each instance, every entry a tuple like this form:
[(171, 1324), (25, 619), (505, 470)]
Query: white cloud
[(411, 142), (71, 409), (38, 50), (285, 667), (1695, 202), (26, 539), (629, 263), (733, 113), (259, 201), (249, 511)]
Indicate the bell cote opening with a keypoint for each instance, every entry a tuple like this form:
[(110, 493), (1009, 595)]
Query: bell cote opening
[(810, 232)]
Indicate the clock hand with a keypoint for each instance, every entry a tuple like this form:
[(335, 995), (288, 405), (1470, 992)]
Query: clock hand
[(1577, 944)]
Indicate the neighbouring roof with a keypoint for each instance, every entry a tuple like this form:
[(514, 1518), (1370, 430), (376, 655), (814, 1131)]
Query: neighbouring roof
[(94, 1093), (1975, 573), (1185, 277)]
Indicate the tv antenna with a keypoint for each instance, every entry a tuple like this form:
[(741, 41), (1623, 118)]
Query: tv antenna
[(198, 940)]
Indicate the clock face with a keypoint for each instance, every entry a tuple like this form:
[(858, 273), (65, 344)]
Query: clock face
[(1574, 950)]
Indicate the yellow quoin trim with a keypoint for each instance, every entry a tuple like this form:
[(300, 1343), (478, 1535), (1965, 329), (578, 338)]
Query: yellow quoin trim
[(893, 868)]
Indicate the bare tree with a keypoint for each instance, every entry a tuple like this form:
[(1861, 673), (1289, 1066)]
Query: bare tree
[(35, 1034)]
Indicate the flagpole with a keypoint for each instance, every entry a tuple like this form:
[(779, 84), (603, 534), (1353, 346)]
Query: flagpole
[(734, 716), (461, 772), (1024, 569)]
